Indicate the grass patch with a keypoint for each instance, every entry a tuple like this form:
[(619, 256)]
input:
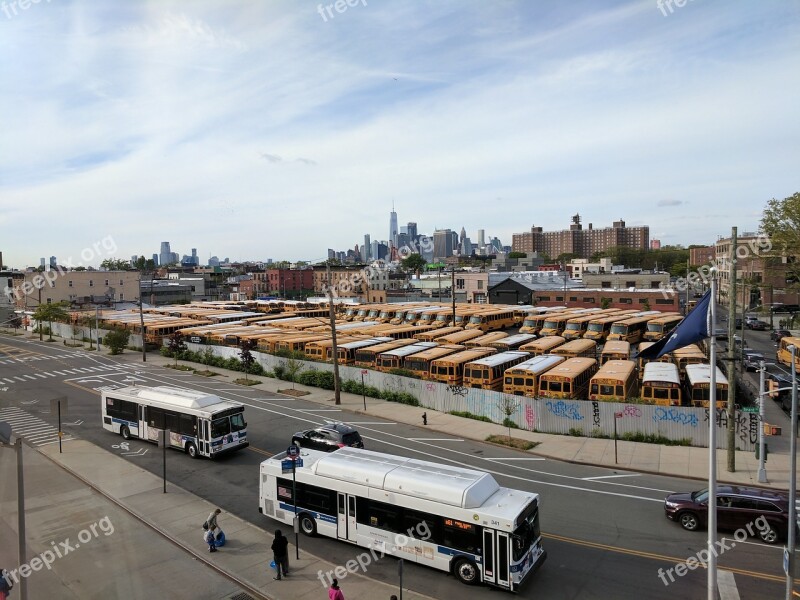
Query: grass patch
[(179, 367), (290, 392), (246, 381), (512, 442), (206, 373), (469, 415), (53, 340)]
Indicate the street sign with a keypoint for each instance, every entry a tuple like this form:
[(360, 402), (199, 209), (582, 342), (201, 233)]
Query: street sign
[(617, 415), (749, 409), (293, 451), (288, 465), (364, 371)]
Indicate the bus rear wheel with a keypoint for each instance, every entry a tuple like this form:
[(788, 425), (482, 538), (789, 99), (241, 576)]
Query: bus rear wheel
[(307, 525), (125, 432), (466, 571), (191, 450)]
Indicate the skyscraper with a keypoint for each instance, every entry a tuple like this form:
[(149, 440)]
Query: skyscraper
[(442, 244), (412, 231), (367, 249), (481, 238), (393, 227), (165, 256)]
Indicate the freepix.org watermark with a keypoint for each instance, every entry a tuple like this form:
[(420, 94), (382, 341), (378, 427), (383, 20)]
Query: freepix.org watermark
[(105, 247), (339, 6), (700, 559), (702, 276), (666, 5), (361, 562), (59, 550), (11, 9)]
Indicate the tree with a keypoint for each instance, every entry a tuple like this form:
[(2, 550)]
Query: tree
[(246, 355), (413, 262), (117, 339), (291, 368), (781, 223), (15, 322), (517, 255), (508, 406), (112, 264), (176, 346), (565, 257), (605, 303), (50, 313)]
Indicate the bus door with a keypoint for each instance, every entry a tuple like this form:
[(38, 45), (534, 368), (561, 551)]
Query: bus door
[(203, 439), (346, 517), (496, 565)]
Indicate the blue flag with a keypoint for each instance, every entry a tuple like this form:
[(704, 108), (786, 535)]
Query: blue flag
[(692, 329)]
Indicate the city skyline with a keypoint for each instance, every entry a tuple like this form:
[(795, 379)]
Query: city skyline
[(504, 115)]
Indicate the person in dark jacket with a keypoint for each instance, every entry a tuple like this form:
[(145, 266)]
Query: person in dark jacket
[(280, 554)]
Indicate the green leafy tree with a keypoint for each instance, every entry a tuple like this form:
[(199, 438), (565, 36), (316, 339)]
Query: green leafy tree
[(413, 263), (517, 255), (117, 339), (246, 347), (113, 264), (292, 367), (509, 405), (49, 313), (605, 303), (781, 223), (176, 345)]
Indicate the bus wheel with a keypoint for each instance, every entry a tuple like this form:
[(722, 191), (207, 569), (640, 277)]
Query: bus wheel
[(466, 571), (125, 432), (191, 450), (307, 525)]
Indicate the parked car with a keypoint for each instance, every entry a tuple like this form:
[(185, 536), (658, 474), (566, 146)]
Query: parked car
[(328, 437), (758, 325), (777, 334), (737, 507), (751, 360)]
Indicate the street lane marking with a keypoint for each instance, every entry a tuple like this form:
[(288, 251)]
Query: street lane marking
[(610, 476), (513, 458), (319, 409), (260, 451), (434, 440), (654, 556), (726, 584), (369, 423)]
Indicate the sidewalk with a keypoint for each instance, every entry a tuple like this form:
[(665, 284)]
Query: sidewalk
[(679, 461)]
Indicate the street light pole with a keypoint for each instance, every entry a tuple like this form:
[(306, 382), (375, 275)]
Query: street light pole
[(762, 471), (792, 482), (5, 439), (712, 451)]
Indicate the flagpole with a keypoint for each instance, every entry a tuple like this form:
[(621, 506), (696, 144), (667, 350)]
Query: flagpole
[(712, 446)]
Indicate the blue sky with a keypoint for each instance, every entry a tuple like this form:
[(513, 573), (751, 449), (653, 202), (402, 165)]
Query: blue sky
[(260, 129)]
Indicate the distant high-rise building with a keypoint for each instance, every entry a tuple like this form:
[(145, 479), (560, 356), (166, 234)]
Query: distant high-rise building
[(53, 262), (42, 262), (366, 249), (443, 244), (411, 229), (165, 256), (481, 238), (213, 261), (583, 243), (155, 260), (393, 227), (655, 244), (195, 258), (331, 253), (134, 258), (463, 235)]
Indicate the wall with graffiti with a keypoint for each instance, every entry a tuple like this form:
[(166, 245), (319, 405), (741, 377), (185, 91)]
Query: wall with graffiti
[(578, 417)]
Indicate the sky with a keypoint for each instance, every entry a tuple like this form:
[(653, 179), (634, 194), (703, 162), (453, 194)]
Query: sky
[(279, 129)]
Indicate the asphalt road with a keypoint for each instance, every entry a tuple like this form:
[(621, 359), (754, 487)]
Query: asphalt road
[(605, 531)]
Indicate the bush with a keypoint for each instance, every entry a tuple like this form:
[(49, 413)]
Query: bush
[(404, 373), (575, 432), (400, 397), (469, 415), (116, 340), (652, 438), (509, 423)]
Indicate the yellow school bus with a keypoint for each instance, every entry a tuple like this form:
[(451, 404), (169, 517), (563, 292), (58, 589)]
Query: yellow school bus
[(481, 341), (365, 357), (632, 329), (577, 326), (393, 359), (785, 354), (697, 386), (487, 373), (688, 355), (661, 325), (534, 321), (450, 369), (577, 348), (616, 381), (460, 337), (420, 363), (661, 384), (599, 328), (543, 345), (512, 342), (570, 379), (346, 351), (615, 350), (492, 320), (435, 334), (523, 379)]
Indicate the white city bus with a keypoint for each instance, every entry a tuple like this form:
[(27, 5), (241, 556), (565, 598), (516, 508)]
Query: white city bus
[(200, 424), (473, 528)]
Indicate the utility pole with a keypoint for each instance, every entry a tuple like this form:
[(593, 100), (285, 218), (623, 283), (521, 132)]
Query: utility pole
[(336, 389), (453, 294), (141, 320), (731, 353), (686, 307), (40, 323)]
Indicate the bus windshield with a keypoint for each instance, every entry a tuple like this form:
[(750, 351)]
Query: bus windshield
[(525, 536), (237, 422), (220, 427)]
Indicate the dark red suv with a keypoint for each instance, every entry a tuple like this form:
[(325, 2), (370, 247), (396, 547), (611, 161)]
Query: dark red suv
[(766, 511)]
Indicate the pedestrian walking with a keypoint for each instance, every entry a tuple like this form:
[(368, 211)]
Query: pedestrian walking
[(424, 418), (334, 593), (5, 584), (210, 539), (280, 554), (212, 519)]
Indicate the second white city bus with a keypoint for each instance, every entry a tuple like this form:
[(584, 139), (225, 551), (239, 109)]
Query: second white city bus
[(449, 518)]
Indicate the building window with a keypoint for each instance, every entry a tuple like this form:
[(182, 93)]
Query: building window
[(573, 298), (625, 300), (106, 282), (630, 284), (480, 284), (91, 283), (121, 282), (589, 300), (121, 298), (665, 301), (559, 298), (605, 284), (643, 301), (70, 283)]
